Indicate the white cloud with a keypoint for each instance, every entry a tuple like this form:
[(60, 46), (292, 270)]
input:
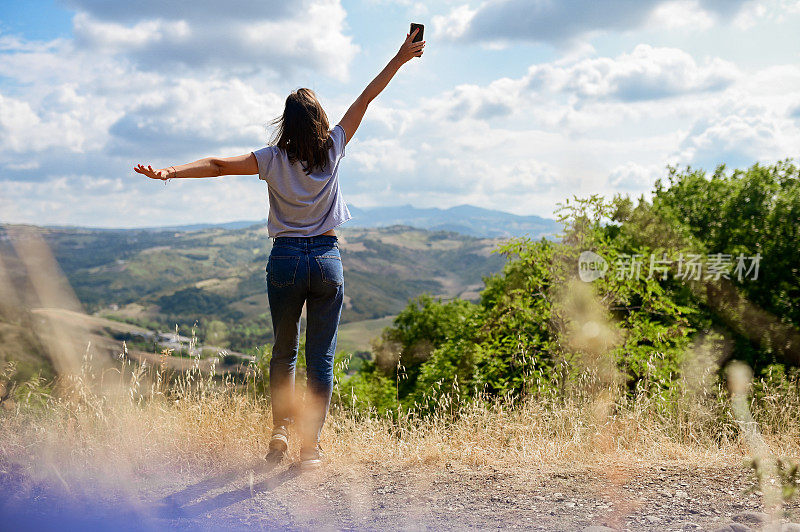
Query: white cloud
[(581, 93), (681, 15), (497, 99), (454, 24), (194, 116), (255, 36), (748, 133), (632, 177), (91, 111), (752, 121), (382, 155), (18, 125), (133, 201), (564, 21), (65, 119), (647, 73), (116, 38), (750, 15)]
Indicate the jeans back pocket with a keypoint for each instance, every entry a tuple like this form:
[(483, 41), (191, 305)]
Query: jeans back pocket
[(331, 268), (281, 271)]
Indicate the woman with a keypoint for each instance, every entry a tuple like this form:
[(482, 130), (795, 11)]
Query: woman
[(304, 266)]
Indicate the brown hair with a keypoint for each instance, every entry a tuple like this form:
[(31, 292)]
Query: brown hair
[(302, 131)]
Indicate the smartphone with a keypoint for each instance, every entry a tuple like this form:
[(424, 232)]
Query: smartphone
[(418, 36)]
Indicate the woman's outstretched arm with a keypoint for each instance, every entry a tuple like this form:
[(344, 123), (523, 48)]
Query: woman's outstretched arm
[(352, 118), (208, 167)]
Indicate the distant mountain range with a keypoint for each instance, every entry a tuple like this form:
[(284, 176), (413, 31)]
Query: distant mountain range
[(464, 219)]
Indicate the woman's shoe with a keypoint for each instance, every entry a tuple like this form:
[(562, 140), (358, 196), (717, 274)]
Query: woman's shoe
[(310, 458), (278, 445)]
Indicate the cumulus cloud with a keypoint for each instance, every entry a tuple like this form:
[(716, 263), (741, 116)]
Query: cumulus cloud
[(520, 184), (65, 119), (633, 177), (454, 24), (194, 116), (100, 116), (498, 99), (648, 73), (195, 10), (87, 199), (239, 36), (602, 124), (681, 15), (752, 121), (374, 155), (19, 125), (558, 22), (745, 134)]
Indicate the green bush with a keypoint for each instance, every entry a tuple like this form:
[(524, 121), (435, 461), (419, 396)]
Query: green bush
[(520, 338)]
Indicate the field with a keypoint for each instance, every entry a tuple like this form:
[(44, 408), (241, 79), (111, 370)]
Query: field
[(357, 336)]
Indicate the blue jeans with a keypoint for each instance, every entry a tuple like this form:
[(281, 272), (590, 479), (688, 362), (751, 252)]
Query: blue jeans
[(304, 270)]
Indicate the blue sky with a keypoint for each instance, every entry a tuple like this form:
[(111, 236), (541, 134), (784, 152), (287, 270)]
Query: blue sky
[(516, 105)]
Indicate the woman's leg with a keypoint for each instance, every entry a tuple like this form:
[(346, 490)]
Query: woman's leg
[(287, 283), (324, 308)]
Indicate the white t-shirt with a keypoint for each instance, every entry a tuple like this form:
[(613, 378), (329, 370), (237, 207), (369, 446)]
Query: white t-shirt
[(300, 204)]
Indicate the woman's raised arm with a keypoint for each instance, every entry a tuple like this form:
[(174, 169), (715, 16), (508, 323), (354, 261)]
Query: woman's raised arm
[(208, 167), (352, 118)]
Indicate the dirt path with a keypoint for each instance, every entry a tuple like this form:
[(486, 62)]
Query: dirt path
[(376, 497)]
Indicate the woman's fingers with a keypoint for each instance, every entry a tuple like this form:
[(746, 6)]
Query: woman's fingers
[(153, 174), (148, 171), (417, 47), (411, 49)]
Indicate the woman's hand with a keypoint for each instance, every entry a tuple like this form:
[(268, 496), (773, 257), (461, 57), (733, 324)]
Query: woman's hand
[(161, 174), (410, 49)]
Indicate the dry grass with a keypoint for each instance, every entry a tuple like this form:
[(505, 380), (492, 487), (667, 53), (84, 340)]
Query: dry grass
[(132, 420), (128, 436), (115, 425)]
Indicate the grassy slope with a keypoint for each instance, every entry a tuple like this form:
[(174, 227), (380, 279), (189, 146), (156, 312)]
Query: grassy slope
[(357, 335)]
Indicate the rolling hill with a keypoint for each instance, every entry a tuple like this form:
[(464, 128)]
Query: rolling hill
[(161, 278)]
